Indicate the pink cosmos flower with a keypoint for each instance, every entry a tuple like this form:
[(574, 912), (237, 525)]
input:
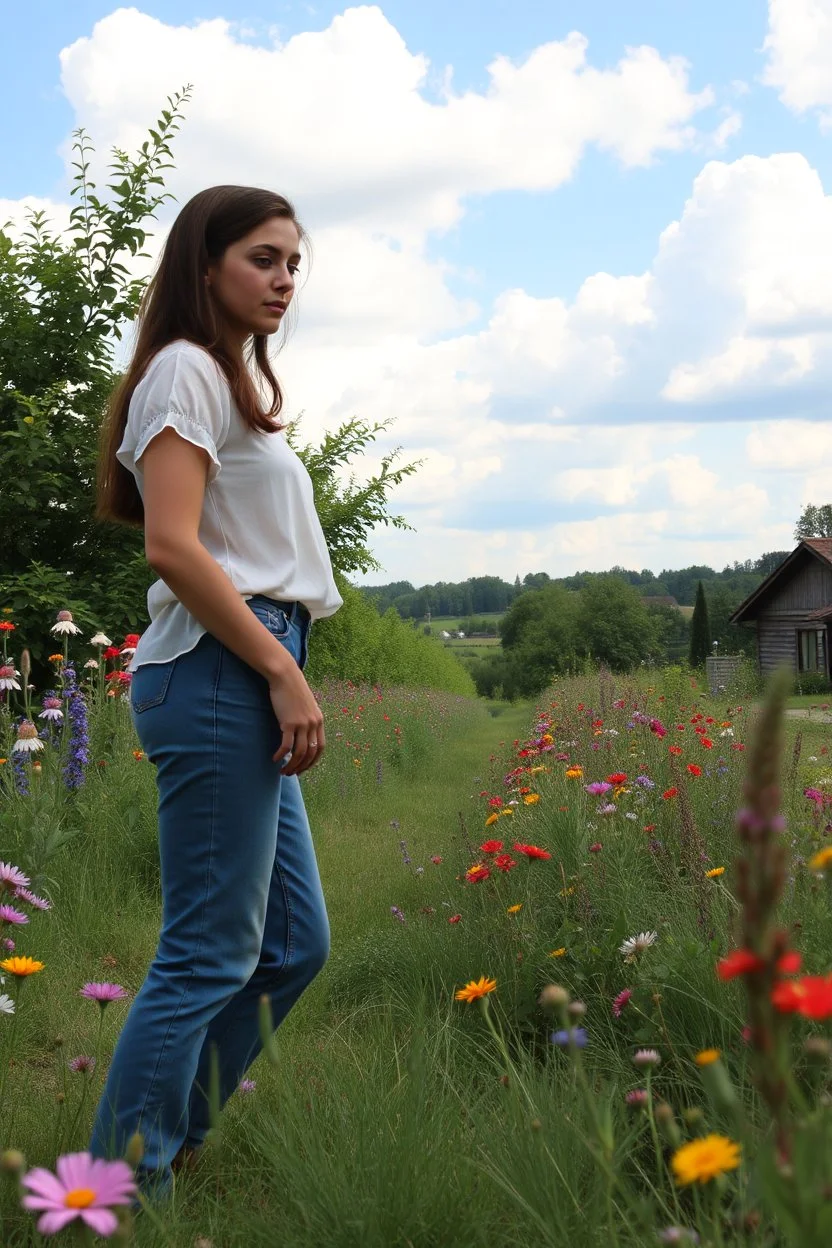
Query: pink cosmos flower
[(598, 788), (84, 1188), (8, 914), (103, 993), (11, 878), (620, 1001)]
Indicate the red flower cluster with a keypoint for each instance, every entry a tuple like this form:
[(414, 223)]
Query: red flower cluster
[(674, 749), (504, 862)]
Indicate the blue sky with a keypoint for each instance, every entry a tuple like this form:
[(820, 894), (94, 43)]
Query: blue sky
[(600, 354)]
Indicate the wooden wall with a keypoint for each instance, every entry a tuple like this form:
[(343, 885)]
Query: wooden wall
[(785, 611)]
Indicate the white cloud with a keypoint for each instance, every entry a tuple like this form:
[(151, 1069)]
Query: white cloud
[(799, 47), (340, 117)]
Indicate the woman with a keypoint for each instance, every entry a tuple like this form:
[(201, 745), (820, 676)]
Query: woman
[(218, 697)]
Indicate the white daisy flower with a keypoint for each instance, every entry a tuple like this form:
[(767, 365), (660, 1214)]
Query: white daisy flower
[(100, 639), (6, 1004), (64, 624), (7, 676), (634, 946), (27, 738), (91, 663)]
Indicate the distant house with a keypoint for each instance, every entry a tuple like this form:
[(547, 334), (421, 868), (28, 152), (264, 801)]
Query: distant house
[(792, 610)]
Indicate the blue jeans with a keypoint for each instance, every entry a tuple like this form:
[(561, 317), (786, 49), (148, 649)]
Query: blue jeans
[(243, 911)]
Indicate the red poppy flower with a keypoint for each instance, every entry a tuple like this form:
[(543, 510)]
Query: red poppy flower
[(790, 962), (739, 962), (491, 847), (694, 770), (674, 749), (504, 862), (531, 851), (810, 996), (454, 918), (649, 827), (668, 793), (618, 777), (709, 745)]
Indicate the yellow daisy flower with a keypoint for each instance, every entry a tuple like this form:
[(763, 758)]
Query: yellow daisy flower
[(491, 819), (21, 966), (707, 1056), (558, 953), (714, 872), (704, 1159), (514, 909), (822, 859), (531, 798)]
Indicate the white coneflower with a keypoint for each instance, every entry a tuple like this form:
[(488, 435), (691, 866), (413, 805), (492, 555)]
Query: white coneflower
[(27, 738), (7, 676), (6, 1004), (64, 624), (634, 946), (92, 663), (100, 639), (52, 709)]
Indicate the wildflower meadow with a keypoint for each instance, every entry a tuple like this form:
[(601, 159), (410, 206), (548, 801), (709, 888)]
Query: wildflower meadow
[(579, 989)]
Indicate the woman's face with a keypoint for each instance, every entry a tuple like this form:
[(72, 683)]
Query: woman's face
[(254, 280)]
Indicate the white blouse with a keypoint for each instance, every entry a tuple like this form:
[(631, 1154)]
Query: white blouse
[(258, 518)]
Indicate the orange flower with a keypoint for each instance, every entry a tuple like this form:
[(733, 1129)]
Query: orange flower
[(531, 798), (21, 967), (491, 819), (476, 988)]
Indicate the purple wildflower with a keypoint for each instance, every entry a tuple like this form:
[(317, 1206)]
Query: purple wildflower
[(8, 914), (12, 878), (397, 914), (79, 755), (598, 788), (573, 1035), (81, 1065), (103, 993)]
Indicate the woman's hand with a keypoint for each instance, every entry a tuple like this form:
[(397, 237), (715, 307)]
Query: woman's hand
[(301, 720)]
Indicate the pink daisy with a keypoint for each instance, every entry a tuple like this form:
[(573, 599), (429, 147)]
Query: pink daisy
[(31, 899), (8, 914), (103, 993), (620, 1001), (84, 1188), (11, 878)]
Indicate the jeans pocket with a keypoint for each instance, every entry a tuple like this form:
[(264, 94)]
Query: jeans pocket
[(149, 685), (274, 619)]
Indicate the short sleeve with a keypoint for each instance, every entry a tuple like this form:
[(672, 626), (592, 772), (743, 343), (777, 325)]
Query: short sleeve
[(182, 389)]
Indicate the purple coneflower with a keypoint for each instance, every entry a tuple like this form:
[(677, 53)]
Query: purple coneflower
[(52, 708), (103, 993)]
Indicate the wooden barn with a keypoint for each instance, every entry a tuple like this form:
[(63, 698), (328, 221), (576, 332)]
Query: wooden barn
[(792, 610)]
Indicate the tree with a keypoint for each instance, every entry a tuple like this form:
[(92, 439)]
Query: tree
[(814, 521), (614, 625), (63, 304), (700, 629)]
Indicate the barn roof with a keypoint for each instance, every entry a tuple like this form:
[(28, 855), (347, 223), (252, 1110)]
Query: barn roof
[(817, 547)]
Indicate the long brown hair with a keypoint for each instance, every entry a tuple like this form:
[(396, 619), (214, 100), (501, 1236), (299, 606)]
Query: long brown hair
[(176, 304)]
